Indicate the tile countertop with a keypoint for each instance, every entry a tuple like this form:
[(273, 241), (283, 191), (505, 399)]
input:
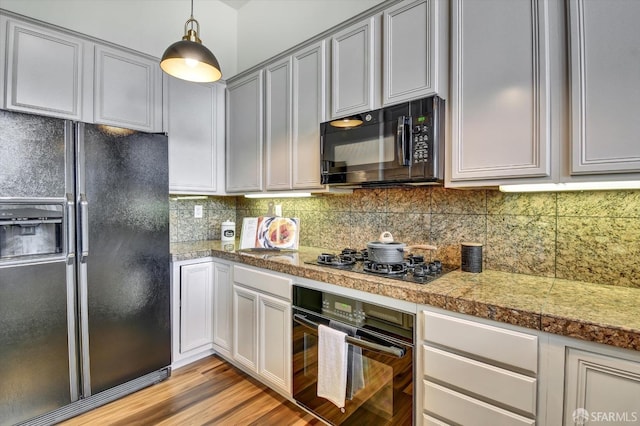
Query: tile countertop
[(594, 312)]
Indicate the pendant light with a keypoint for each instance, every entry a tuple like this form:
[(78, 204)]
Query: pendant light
[(188, 59)]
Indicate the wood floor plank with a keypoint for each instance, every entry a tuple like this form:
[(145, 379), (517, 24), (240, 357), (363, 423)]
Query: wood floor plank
[(207, 392)]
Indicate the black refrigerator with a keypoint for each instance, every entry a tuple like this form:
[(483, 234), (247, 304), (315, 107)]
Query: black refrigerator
[(84, 266)]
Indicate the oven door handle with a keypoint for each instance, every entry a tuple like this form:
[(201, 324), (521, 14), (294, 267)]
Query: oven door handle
[(390, 350)]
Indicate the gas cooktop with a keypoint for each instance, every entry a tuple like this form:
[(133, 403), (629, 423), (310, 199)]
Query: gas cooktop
[(413, 268)]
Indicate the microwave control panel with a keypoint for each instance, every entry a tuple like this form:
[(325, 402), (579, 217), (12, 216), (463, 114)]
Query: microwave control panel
[(421, 133)]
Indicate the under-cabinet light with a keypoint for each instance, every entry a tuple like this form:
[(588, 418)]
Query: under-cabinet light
[(278, 195), (188, 197), (571, 186)]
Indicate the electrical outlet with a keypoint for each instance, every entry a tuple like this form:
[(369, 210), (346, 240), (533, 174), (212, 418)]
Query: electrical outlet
[(278, 210), (197, 212)]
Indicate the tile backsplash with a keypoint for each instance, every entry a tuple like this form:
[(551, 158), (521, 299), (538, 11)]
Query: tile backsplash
[(584, 236), (183, 226)]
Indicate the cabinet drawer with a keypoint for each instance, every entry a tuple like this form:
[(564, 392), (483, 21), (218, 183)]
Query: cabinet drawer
[(430, 421), (493, 383), (461, 409), (503, 346), (263, 281)]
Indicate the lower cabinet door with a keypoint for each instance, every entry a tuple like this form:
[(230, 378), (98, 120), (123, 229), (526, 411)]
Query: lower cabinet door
[(275, 341), (601, 388), (196, 306), (222, 308), (245, 327)]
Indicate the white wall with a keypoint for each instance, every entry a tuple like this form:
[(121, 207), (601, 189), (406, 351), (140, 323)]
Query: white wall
[(268, 27), (239, 38), (148, 26)]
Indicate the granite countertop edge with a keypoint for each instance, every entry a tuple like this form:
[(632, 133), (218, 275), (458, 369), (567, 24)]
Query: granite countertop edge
[(586, 311)]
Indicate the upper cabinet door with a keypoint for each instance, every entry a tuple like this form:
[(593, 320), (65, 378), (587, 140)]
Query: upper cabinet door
[(500, 102), (415, 50), (309, 106), (128, 90), (196, 141), (244, 134), (605, 86), (44, 71), (278, 125), (355, 66)]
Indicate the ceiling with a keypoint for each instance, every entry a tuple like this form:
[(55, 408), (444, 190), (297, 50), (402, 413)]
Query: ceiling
[(236, 4)]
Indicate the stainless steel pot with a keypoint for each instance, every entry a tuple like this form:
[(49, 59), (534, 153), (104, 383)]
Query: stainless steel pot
[(388, 251)]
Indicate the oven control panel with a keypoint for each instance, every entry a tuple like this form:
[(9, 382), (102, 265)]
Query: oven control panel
[(342, 308)]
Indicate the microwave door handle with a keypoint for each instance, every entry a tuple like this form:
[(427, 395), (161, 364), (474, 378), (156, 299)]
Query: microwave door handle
[(403, 140)]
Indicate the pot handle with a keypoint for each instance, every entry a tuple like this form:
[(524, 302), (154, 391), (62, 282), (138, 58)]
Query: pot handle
[(420, 246), (386, 237)]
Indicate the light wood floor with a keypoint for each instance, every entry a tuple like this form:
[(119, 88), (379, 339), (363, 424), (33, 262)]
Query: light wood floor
[(208, 392)]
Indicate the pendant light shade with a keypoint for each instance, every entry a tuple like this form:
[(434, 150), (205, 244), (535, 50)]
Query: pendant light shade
[(189, 59)]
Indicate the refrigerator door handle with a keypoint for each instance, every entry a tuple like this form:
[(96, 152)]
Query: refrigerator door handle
[(83, 344), (84, 224), (71, 226)]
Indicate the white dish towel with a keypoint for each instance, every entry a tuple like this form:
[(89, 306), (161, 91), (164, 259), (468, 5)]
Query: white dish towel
[(332, 365)]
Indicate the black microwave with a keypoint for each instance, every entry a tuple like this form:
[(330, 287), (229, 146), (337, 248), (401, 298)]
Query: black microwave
[(393, 145)]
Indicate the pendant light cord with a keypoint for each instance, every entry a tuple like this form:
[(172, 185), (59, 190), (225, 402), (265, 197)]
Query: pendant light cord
[(191, 20)]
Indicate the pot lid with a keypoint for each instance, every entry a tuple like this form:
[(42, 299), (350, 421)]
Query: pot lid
[(380, 244)]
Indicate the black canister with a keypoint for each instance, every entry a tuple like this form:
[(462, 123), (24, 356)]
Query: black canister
[(471, 254)]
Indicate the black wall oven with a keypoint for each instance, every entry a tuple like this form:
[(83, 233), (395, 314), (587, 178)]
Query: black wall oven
[(398, 144), (384, 340)]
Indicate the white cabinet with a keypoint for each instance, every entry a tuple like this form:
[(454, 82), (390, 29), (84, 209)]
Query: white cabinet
[(500, 90), (245, 327), (277, 150), (195, 126), (294, 109), (294, 105), (59, 73), (601, 387), (591, 383), (386, 59), (47, 71), (244, 134), (308, 111), (222, 308), (471, 372), (201, 309), (513, 119), (196, 306), (127, 90), (262, 325), (274, 340), (415, 50), (605, 86), (355, 68)]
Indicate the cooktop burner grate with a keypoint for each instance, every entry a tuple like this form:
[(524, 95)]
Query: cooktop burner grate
[(339, 260), (414, 268)]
